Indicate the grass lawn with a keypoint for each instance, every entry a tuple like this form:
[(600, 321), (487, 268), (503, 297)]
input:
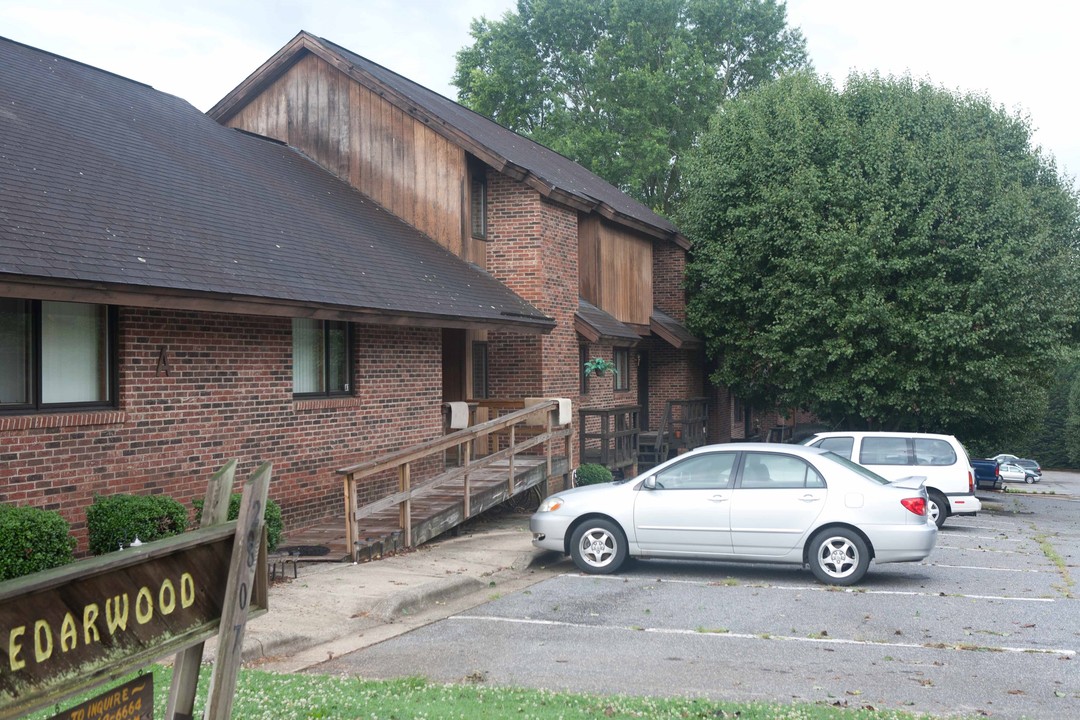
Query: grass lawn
[(269, 696)]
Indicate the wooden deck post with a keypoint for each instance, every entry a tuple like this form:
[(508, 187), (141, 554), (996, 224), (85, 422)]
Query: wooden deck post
[(568, 479), (510, 476), (352, 534), (405, 483), (468, 484), (547, 430)]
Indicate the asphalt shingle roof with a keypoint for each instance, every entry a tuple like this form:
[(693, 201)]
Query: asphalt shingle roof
[(605, 326), (106, 180), (671, 330)]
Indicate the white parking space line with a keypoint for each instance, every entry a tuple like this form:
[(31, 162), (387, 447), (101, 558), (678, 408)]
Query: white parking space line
[(747, 636), (913, 593), (981, 567), (830, 588), (971, 549)]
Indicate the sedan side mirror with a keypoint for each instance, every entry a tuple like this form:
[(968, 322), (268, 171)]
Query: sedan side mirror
[(650, 482)]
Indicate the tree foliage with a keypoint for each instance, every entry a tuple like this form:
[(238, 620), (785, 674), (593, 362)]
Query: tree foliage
[(623, 86), (892, 255), (1054, 442), (1071, 429)]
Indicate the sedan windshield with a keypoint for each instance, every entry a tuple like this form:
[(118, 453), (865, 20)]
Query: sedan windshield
[(855, 467)]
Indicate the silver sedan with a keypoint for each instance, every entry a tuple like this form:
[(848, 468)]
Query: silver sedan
[(750, 502), (1012, 472)]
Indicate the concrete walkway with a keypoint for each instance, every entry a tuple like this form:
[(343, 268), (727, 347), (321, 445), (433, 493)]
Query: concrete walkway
[(335, 608)]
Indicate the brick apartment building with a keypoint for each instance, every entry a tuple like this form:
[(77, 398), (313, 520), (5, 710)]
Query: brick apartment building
[(305, 274)]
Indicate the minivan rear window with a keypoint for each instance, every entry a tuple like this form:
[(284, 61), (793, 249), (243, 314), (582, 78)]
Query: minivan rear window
[(931, 451), (884, 451)]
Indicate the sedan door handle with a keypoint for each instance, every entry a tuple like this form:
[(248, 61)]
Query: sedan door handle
[(810, 498), (718, 498)]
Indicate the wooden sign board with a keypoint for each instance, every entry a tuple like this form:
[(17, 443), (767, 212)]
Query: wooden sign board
[(134, 700), (75, 627)]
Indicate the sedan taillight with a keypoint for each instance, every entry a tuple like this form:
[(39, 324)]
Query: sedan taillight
[(916, 505)]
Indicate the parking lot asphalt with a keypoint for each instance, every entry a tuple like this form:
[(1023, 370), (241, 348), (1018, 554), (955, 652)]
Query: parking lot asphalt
[(988, 625)]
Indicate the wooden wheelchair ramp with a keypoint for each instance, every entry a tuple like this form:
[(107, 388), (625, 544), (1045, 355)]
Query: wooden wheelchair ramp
[(525, 449)]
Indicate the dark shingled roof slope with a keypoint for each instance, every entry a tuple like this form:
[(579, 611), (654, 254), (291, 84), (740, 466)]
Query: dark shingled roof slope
[(600, 326), (106, 180), (551, 168), (672, 331)]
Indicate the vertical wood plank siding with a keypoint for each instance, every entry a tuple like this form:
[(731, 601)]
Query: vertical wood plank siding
[(378, 149), (616, 270)]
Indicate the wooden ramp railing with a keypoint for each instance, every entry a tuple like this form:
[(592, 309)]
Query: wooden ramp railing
[(510, 448)]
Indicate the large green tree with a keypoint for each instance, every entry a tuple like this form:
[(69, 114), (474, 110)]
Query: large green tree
[(889, 255), (623, 86)]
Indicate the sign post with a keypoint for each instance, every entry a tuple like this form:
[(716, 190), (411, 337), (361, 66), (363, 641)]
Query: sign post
[(238, 593), (185, 679)]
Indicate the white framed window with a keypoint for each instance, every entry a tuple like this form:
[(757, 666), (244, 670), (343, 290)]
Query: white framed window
[(56, 355), (322, 357)]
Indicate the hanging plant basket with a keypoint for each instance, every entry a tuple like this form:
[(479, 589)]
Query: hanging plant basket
[(599, 366)]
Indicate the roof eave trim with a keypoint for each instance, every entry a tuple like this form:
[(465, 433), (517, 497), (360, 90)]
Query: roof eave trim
[(586, 330), (174, 299), (672, 339), (594, 335), (268, 72)]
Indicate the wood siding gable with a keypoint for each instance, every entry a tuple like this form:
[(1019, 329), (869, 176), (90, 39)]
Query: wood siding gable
[(383, 152), (470, 141)]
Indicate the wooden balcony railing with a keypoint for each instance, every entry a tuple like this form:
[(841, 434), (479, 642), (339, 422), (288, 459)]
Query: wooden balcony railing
[(684, 426), (502, 440), (609, 436)]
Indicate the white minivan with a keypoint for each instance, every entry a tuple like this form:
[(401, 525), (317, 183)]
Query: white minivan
[(941, 459)]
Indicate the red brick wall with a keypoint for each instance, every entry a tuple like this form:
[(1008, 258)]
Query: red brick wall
[(229, 395), (723, 425), (669, 271), (515, 257), (673, 375), (532, 249), (602, 393)]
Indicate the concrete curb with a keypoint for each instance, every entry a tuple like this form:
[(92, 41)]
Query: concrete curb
[(408, 602)]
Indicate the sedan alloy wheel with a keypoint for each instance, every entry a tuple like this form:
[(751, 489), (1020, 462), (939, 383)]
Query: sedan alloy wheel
[(838, 556), (598, 547)]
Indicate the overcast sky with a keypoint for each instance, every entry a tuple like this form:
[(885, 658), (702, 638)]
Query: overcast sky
[(1016, 53)]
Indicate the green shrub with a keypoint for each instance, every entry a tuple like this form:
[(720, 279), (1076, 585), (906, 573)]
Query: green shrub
[(116, 520), (591, 474), (31, 540), (272, 517)]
